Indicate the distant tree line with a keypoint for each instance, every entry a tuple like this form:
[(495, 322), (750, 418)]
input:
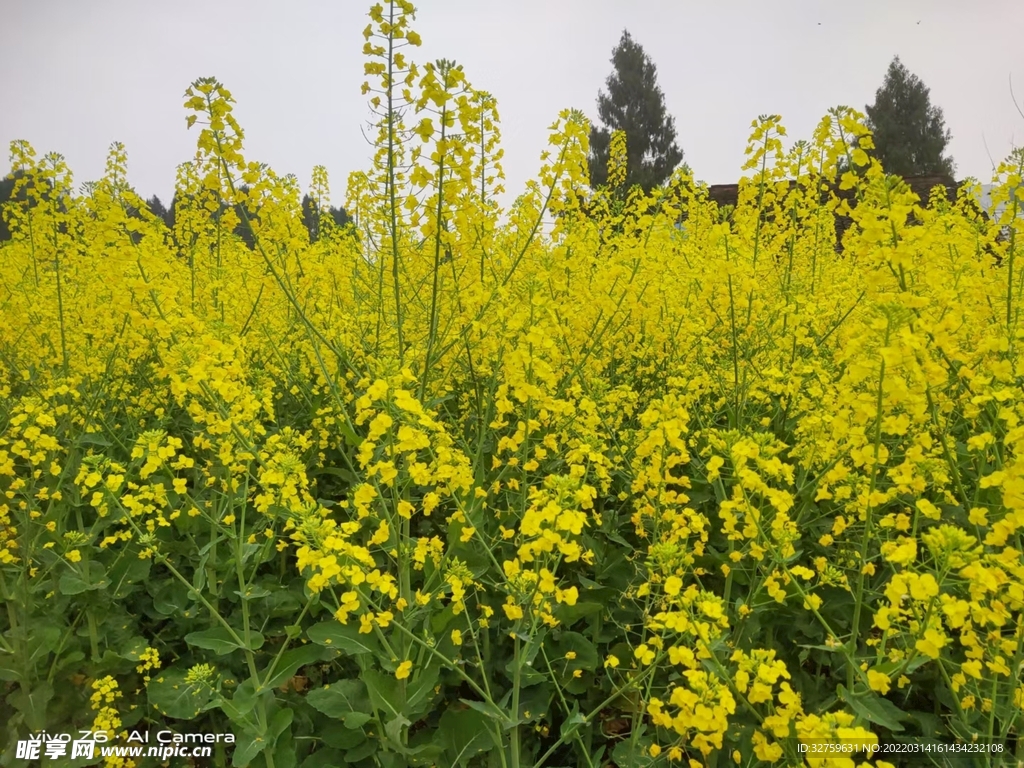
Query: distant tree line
[(310, 214), (909, 132), (310, 217)]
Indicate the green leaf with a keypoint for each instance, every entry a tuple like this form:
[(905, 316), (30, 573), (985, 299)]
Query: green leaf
[(929, 723), (489, 711), (345, 700), (250, 743), (393, 728), (873, 707), (284, 602), (572, 723), (248, 550), (94, 576), (579, 646), (126, 572), (33, 705), (170, 598), (527, 676), (626, 756), (239, 705), (323, 758), (285, 753), (570, 614), (93, 438), (535, 703), (338, 472), (916, 663), (531, 648), (171, 696), (826, 648), (279, 722), (419, 692), (199, 575), (253, 592), (364, 750), (464, 733), (291, 661), (42, 637), (584, 659), (344, 637), (220, 641), (385, 693), (338, 735), (10, 670), (133, 649)]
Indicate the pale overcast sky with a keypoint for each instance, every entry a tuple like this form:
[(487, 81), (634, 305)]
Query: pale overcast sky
[(79, 74)]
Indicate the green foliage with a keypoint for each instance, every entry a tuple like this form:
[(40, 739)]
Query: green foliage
[(157, 208), (7, 194), (910, 132), (312, 213), (635, 104)]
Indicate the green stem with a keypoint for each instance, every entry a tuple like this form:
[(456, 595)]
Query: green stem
[(735, 347), (437, 258), (392, 194), (250, 659), (60, 300), (1010, 263), (285, 644), (94, 641), (566, 707), (866, 536), (596, 710), (516, 686)]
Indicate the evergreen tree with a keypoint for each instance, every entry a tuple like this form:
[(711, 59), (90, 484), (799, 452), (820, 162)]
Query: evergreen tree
[(243, 229), (635, 104), (6, 192), (340, 216), (311, 217), (169, 215), (156, 207), (7, 184), (910, 133)]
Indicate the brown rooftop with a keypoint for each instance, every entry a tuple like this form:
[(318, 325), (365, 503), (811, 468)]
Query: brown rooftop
[(728, 194)]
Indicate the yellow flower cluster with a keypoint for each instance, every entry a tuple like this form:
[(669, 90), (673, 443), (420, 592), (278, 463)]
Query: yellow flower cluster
[(108, 719), (734, 453)]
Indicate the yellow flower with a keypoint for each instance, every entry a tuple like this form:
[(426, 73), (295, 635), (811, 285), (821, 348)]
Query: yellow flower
[(403, 670), (902, 552), (568, 596), (931, 643), (714, 464), (644, 654), (74, 556), (879, 681)]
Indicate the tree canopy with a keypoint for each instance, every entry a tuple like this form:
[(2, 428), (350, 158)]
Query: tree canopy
[(636, 105), (910, 132)]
